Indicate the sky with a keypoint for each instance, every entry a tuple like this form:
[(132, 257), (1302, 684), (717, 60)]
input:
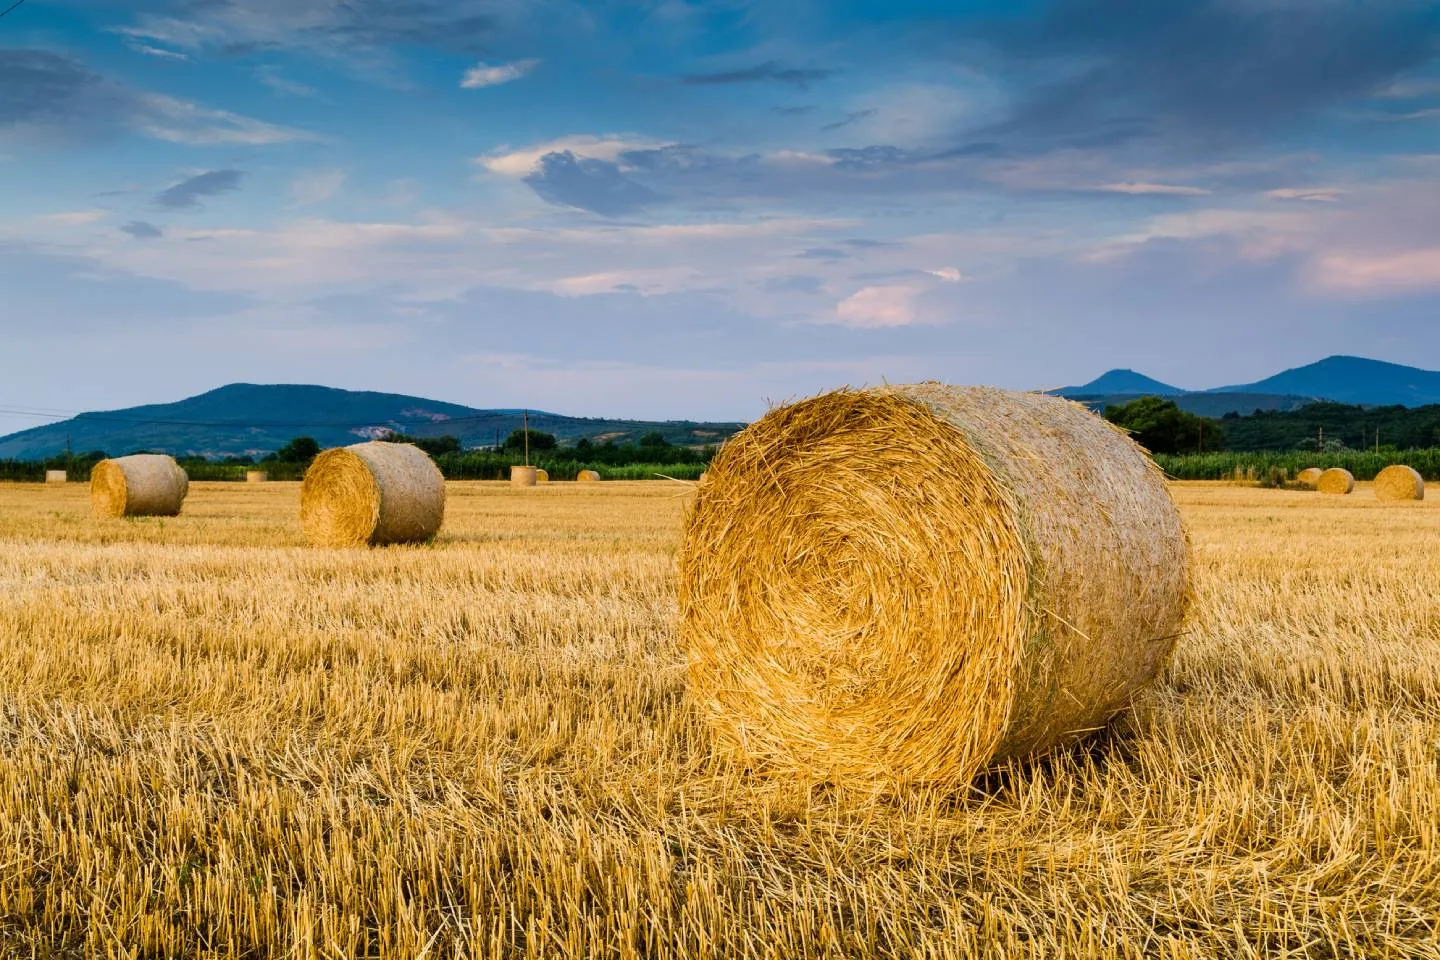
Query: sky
[(672, 209)]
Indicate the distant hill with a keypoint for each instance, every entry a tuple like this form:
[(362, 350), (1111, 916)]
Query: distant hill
[(1353, 380), (245, 419), (1120, 382)]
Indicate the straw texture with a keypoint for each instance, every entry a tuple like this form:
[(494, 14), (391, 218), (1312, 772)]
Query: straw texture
[(541, 476), (907, 584), (1399, 482), (587, 476), (1335, 480), (256, 476), (1309, 476), (372, 493), (56, 476), (521, 476), (142, 485)]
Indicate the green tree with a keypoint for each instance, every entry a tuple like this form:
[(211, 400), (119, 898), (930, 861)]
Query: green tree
[(538, 440), (435, 446), (654, 439), (1162, 427), (299, 450)]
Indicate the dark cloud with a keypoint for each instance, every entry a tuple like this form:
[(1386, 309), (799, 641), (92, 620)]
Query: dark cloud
[(589, 184), (37, 86), (187, 193), (768, 72), (141, 230), (793, 111), (852, 117), (1199, 71), (796, 283)]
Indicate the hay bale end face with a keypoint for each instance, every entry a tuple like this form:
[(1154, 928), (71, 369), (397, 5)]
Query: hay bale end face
[(142, 485), (1399, 482), (372, 493), (587, 476), (541, 476), (908, 584), (1336, 480), (256, 476), (523, 476), (56, 476), (1309, 476)]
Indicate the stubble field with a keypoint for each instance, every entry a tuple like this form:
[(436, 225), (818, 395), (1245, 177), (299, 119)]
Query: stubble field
[(216, 741)]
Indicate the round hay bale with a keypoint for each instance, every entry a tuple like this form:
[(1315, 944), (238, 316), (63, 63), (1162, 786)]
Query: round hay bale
[(1309, 476), (256, 476), (587, 476), (55, 476), (523, 476), (911, 583), (142, 485), (541, 476), (1399, 482), (372, 493), (1335, 480)]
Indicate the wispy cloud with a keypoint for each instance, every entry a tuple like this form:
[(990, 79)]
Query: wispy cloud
[(271, 77), (484, 75), (157, 52), (1320, 194), (141, 230), (1157, 189), (316, 186), (183, 121), (187, 193), (768, 72)]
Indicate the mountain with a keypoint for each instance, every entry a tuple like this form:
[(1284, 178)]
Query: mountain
[(1353, 380), (246, 419), (1119, 382)]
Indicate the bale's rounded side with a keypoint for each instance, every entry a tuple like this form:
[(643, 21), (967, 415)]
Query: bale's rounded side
[(523, 476), (1309, 476), (256, 476), (1336, 480), (1399, 482), (587, 476), (907, 584), (542, 476), (56, 476), (141, 485), (372, 493)]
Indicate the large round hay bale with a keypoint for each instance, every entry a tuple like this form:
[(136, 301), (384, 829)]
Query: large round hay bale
[(256, 476), (1335, 480), (587, 476), (541, 476), (141, 485), (523, 476), (372, 493), (1399, 482), (910, 583), (56, 476), (1309, 476)]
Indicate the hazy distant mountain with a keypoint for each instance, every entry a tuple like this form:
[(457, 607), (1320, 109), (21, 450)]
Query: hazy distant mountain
[(244, 419), (1353, 380), (1119, 382)]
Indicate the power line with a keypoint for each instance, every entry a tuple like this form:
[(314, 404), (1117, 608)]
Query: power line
[(12, 7)]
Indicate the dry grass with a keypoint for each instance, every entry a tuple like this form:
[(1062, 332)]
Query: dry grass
[(219, 742)]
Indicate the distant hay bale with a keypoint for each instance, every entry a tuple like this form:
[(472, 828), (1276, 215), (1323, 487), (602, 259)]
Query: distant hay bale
[(911, 583), (372, 493), (587, 476), (256, 476), (541, 476), (523, 476), (1336, 480), (55, 476), (142, 485), (1399, 482), (1309, 476)]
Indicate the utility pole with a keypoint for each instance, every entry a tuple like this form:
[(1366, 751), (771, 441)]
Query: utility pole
[(1201, 447)]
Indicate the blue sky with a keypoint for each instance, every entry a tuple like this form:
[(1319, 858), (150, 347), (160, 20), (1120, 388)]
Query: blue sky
[(691, 209)]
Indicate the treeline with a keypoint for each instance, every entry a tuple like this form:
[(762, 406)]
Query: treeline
[(1343, 427), (1364, 464)]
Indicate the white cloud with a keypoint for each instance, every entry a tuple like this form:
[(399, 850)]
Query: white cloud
[(316, 186), (1161, 189), (948, 274), (483, 75), (1322, 194), (882, 306), (272, 78), (157, 52), (520, 163), (73, 218), (182, 121), (1408, 271)]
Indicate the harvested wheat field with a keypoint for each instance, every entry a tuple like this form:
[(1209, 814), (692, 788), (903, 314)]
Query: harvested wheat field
[(220, 742)]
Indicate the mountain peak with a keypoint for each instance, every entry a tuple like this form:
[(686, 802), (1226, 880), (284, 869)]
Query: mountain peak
[(1121, 380)]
